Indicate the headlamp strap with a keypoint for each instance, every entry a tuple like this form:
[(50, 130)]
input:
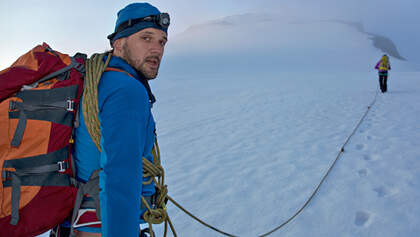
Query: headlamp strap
[(153, 18), (161, 20)]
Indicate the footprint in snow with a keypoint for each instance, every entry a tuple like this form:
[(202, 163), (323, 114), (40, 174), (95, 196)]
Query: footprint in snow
[(370, 157), (365, 128), (362, 218), (382, 191), (363, 172), (360, 147)]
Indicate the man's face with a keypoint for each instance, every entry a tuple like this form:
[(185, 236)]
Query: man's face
[(144, 50)]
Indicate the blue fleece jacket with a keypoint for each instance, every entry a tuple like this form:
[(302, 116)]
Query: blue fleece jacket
[(128, 134)]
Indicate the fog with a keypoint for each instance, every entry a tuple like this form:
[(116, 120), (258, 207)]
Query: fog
[(79, 25), (266, 44)]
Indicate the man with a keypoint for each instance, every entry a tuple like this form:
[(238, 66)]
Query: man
[(126, 123)]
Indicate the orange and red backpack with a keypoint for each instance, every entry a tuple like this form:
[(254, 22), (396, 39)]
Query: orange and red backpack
[(39, 96)]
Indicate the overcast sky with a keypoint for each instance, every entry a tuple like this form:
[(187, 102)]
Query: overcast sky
[(80, 25)]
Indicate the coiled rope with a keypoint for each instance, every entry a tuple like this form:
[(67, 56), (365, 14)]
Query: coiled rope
[(95, 66), (158, 214), (309, 199)]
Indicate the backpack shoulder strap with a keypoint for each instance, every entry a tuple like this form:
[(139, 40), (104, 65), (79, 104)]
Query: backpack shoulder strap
[(118, 70)]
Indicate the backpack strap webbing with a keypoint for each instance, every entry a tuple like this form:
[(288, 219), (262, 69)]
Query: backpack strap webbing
[(42, 170), (118, 70), (73, 64), (91, 187), (39, 104)]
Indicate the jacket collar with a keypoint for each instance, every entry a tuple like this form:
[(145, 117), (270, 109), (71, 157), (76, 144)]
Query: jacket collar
[(117, 62)]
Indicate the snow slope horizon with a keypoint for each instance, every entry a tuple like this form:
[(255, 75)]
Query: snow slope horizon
[(254, 43)]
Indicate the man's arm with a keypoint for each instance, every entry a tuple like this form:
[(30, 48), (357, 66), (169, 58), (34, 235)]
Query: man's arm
[(123, 118)]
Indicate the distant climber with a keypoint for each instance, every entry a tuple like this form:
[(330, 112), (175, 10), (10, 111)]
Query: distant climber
[(383, 66)]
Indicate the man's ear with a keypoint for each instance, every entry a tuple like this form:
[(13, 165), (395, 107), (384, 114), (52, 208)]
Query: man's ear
[(118, 46)]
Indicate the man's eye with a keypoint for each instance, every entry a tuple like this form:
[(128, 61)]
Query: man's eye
[(162, 43), (146, 38)]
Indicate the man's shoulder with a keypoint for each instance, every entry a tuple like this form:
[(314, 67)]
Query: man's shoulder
[(117, 80), (115, 83)]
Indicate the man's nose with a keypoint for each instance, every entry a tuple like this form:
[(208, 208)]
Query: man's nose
[(157, 48)]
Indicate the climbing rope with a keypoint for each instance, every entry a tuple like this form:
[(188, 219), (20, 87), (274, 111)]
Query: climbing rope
[(158, 214), (198, 219), (95, 66), (309, 199), (328, 172)]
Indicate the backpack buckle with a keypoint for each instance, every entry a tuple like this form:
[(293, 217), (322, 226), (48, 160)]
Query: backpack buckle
[(70, 105), (29, 87), (12, 105), (61, 166)]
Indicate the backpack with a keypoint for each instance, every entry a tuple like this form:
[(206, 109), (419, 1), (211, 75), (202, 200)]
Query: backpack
[(384, 66), (39, 97), (384, 63)]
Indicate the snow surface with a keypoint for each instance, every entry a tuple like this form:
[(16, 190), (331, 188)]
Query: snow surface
[(244, 151), (245, 155)]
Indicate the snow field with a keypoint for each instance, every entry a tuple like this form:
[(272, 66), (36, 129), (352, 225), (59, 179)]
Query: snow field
[(247, 159)]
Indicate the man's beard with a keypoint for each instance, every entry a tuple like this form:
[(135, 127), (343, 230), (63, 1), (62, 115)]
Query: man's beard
[(138, 64)]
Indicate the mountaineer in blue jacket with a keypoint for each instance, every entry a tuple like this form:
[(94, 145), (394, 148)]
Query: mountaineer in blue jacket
[(126, 123)]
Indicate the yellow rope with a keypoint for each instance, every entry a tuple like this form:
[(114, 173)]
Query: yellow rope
[(158, 214), (308, 200), (95, 66)]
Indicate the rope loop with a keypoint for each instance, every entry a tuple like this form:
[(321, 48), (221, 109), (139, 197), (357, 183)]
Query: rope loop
[(155, 216), (156, 174)]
